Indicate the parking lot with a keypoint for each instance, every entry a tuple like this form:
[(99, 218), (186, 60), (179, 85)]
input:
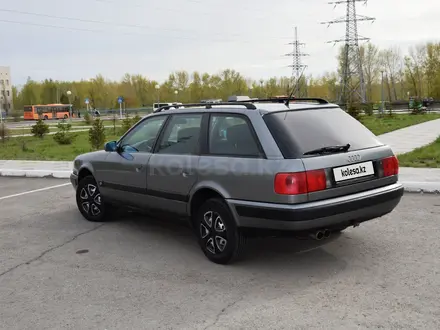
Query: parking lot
[(60, 271)]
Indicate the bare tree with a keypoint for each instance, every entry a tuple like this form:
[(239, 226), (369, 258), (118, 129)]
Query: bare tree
[(371, 66), (391, 60), (415, 68)]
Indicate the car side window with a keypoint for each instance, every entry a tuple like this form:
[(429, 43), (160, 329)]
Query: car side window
[(181, 135), (143, 136), (231, 135)]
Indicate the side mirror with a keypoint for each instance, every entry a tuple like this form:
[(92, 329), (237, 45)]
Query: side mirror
[(111, 146)]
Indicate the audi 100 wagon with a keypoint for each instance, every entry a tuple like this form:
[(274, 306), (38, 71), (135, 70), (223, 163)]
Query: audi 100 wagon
[(301, 166)]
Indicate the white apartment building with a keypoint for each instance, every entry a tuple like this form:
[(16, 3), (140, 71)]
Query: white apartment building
[(6, 101)]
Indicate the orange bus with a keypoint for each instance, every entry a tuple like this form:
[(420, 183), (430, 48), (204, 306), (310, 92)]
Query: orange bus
[(47, 111)]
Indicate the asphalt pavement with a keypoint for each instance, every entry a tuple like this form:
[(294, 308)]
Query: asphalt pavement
[(58, 271)]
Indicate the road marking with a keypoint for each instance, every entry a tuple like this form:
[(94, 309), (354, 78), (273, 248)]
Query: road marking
[(34, 191)]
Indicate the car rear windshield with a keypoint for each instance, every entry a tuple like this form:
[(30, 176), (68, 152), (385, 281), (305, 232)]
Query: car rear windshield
[(300, 131)]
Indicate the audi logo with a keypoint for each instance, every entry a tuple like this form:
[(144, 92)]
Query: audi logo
[(354, 158)]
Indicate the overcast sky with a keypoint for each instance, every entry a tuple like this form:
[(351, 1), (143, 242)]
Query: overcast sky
[(204, 35)]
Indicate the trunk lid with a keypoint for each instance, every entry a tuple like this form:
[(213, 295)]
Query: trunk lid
[(297, 132)]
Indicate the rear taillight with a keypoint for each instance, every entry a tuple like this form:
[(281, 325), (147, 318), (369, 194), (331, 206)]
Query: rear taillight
[(390, 166), (300, 182)]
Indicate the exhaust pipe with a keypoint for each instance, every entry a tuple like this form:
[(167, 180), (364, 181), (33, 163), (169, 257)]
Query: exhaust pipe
[(319, 235)]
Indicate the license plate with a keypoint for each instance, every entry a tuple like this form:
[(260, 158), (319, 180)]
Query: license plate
[(353, 171)]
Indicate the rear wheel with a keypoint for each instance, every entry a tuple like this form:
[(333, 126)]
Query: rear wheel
[(219, 237), (89, 201), (46, 117)]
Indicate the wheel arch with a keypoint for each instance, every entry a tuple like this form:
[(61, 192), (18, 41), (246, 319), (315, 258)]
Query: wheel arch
[(83, 172), (201, 194)]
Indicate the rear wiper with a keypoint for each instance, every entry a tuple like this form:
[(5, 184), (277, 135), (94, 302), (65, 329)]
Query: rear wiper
[(329, 150)]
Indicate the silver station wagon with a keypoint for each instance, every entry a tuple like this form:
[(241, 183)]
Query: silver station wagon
[(233, 169)]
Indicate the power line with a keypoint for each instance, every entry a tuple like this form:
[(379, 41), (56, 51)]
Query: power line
[(168, 9), (352, 71), (297, 66), (107, 32), (107, 23)]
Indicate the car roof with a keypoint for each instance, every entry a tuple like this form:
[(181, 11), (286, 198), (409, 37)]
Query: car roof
[(260, 106)]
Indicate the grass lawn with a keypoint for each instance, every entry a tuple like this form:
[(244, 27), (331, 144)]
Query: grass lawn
[(106, 122), (27, 130), (46, 148), (387, 124), (427, 156)]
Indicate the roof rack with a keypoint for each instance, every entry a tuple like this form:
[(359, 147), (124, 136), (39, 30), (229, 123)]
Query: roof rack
[(248, 105), (284, 99)]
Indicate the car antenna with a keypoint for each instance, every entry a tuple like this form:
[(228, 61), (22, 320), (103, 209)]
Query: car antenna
[(294, 87)]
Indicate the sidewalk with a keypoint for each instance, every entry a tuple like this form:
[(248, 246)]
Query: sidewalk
[(409, 138), (401, 141)]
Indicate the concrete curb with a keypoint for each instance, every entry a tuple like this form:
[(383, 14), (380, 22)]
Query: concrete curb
[(35, 173), (422, 187)]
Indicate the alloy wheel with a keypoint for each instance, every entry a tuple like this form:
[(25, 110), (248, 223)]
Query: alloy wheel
[(213, 232), (91, 200)]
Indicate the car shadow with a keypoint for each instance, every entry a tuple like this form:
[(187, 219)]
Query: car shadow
[(260, 253)]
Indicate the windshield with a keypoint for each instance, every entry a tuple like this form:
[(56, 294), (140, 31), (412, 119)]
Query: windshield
[(299, 131)]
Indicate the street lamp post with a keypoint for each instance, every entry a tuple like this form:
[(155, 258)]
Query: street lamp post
[(70, 105), (176, 92)]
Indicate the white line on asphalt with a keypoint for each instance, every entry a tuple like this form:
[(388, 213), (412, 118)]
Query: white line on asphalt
[(34, 191)]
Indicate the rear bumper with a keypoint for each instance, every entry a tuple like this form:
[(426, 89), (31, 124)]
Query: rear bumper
[(331, 213), (74, 180)]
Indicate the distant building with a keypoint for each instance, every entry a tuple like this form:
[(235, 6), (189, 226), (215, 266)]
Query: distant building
[(6, 100)]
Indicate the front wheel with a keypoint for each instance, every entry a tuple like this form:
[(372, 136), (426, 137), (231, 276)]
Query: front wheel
[(219, 237), (89, 201)]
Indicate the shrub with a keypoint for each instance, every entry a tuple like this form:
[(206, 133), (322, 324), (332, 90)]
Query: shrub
[(40, 129), (135, 119), (126, 124), (97, 134), (368, 109), (353, 110), (63, 136), (389, 108), (4, 132), (87, 118)]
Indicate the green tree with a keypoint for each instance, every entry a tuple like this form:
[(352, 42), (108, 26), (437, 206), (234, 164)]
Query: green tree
[(40, 129), (63, 136), (97, 134)]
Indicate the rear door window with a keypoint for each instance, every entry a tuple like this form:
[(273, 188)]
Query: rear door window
[(232, 135), (300, 131)]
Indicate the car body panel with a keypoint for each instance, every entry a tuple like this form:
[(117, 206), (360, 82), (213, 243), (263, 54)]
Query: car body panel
[(170, 179), (122, 177)]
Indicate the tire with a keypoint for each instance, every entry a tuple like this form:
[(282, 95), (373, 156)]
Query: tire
[(89, 201), (46, 118), (66, 116), (219, 237)]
